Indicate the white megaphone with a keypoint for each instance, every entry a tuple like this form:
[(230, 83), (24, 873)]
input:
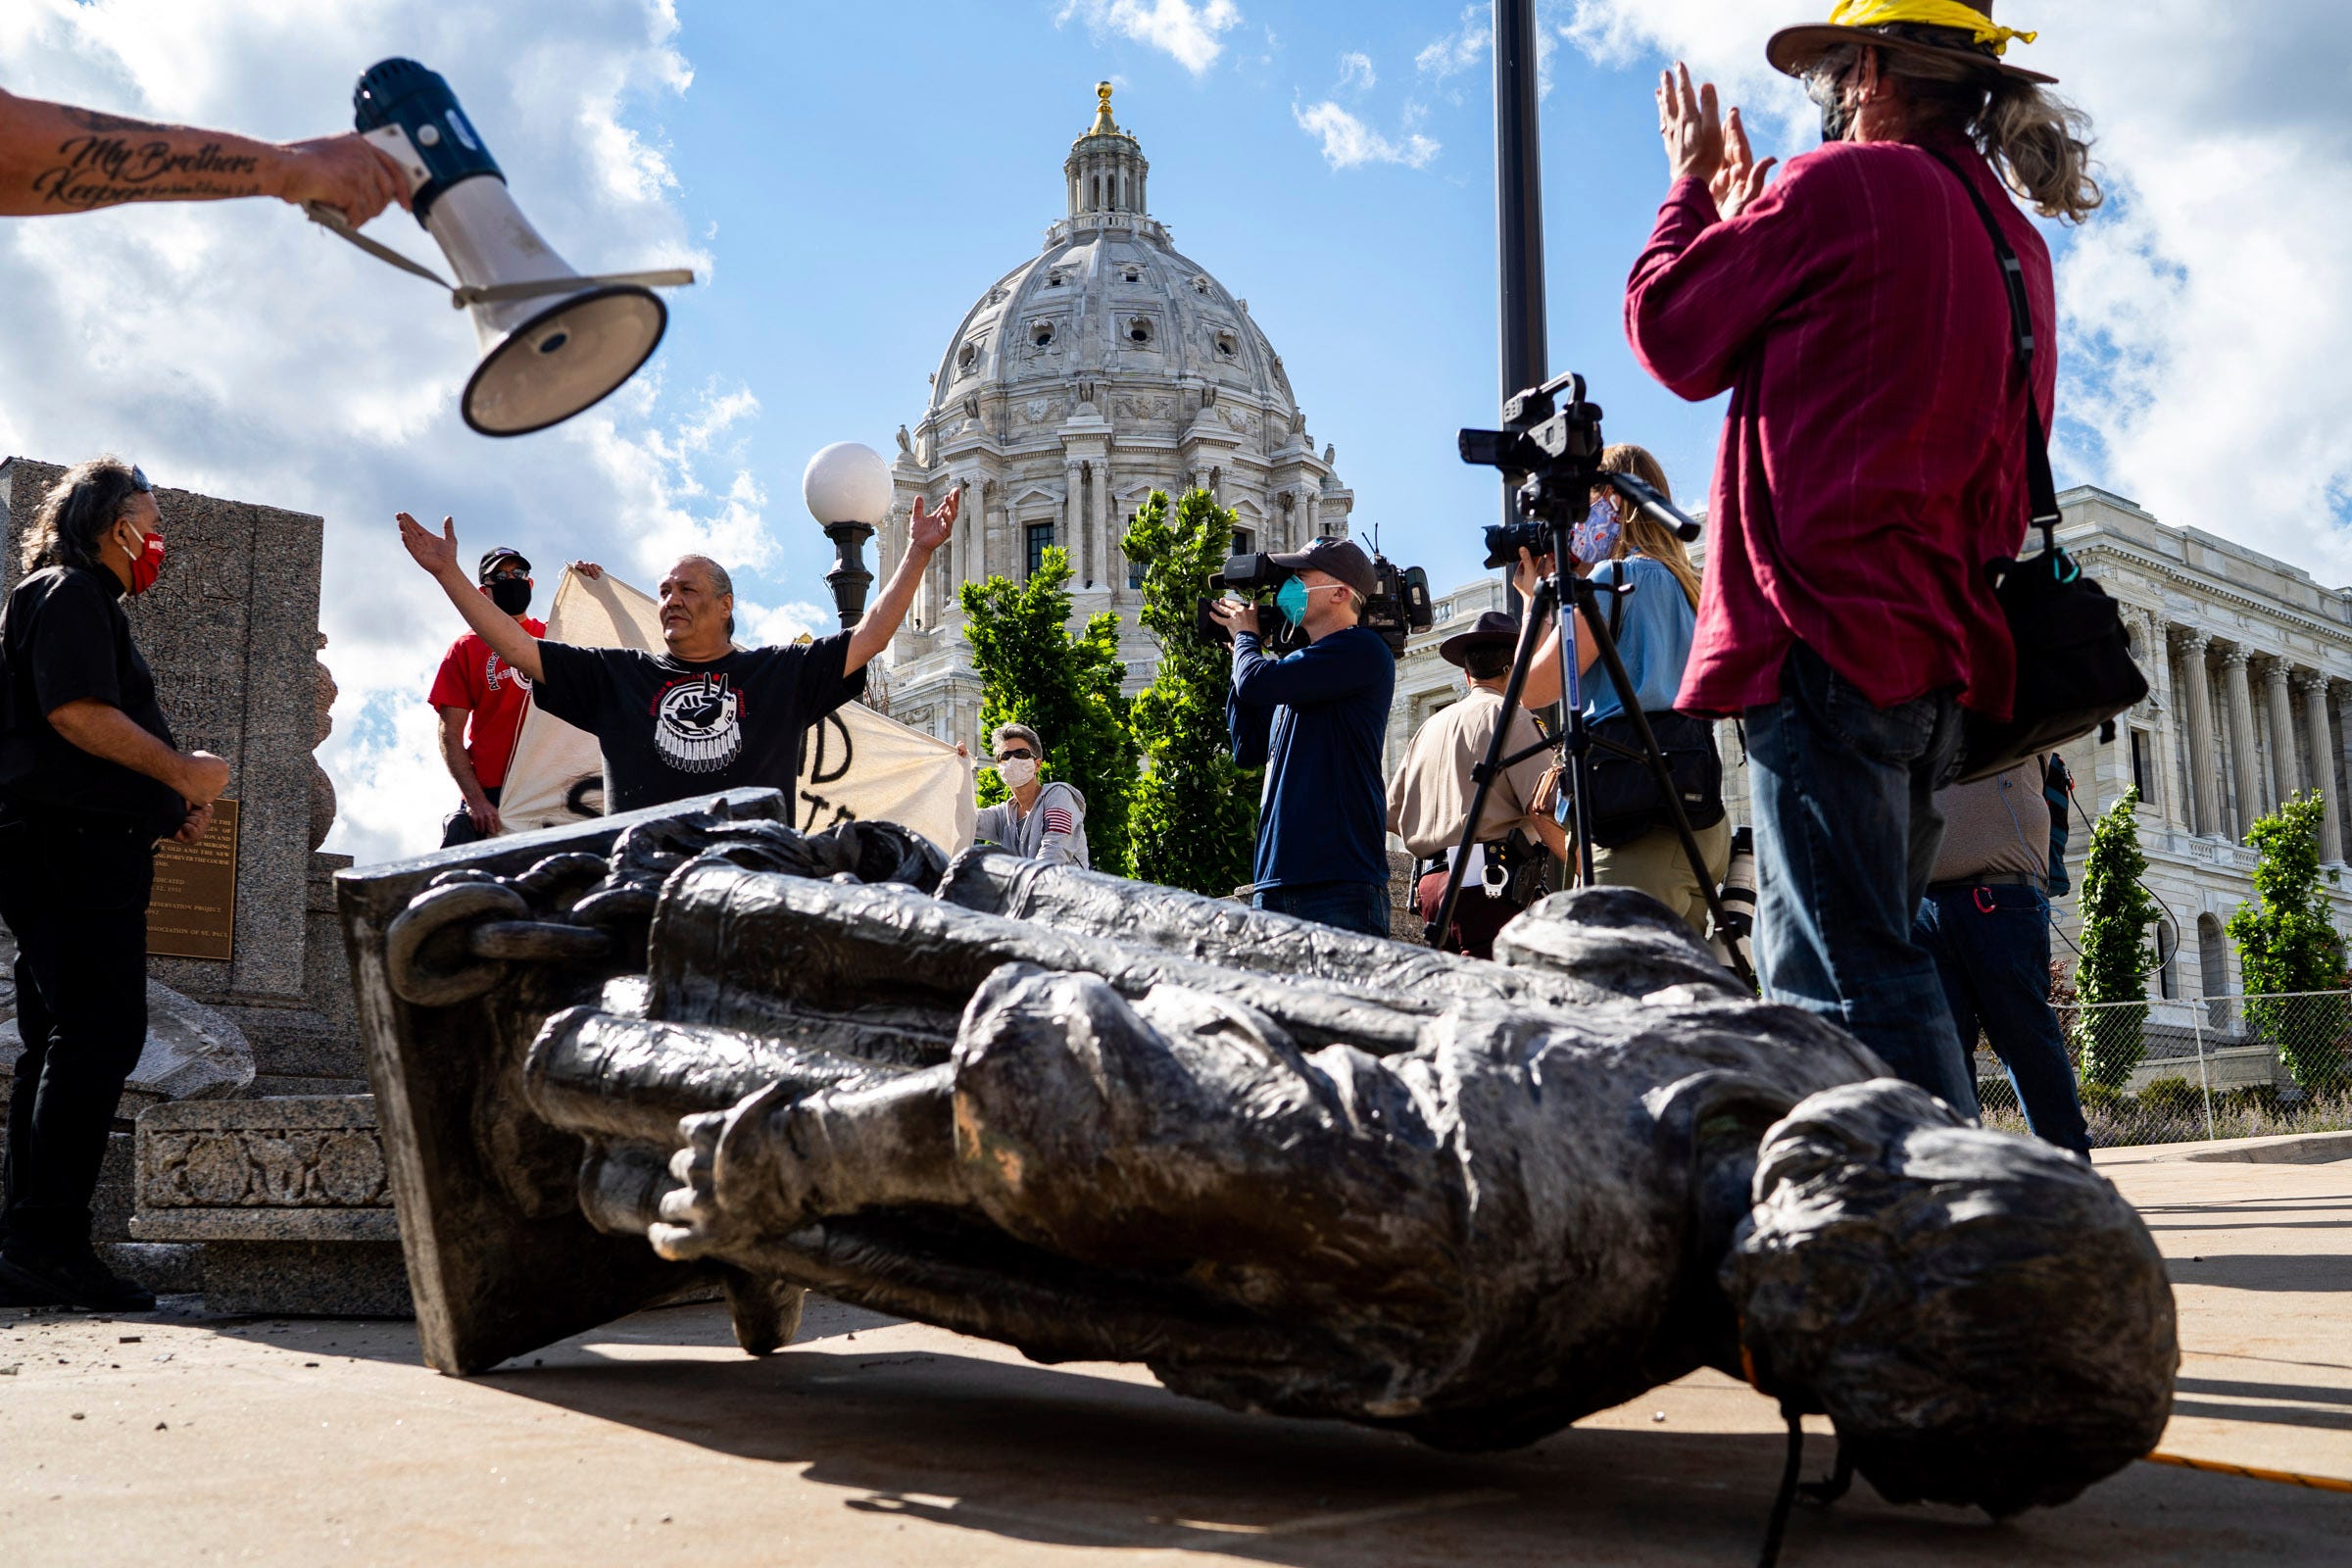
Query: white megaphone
[(553, 342)]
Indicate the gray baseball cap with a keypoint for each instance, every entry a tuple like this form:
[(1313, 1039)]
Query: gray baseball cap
[(1343, 558)]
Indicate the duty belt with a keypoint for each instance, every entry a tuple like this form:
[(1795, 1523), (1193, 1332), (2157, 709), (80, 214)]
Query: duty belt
[(1988, 879)]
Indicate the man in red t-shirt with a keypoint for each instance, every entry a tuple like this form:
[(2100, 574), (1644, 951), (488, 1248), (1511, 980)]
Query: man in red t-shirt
[(482, 700)]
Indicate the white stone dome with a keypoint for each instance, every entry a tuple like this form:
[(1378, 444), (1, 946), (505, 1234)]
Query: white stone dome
[(1104, 367), (1110, 299)]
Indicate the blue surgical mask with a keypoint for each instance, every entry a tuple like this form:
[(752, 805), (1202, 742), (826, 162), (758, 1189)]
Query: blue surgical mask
[(1594, 540), (1290, 600)]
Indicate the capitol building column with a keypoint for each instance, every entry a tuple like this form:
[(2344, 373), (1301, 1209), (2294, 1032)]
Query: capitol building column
[(1104, 573), (2204, 768), (2238, 710), (2314, 687), (2286, 773)]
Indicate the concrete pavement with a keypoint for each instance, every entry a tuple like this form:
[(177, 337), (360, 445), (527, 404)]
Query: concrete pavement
[(178, 1437)]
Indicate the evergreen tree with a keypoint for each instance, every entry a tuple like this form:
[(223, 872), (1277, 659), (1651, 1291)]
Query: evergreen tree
[(2117, 958), (2286, 943), (1032, 671), (1196, 811)]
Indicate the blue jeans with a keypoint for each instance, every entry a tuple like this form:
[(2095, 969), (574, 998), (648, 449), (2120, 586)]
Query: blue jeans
[(1843, 795), (1361, 906), (1992, 947)]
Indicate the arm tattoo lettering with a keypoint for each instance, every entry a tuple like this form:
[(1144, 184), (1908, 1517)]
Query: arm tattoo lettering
[(100, 171)]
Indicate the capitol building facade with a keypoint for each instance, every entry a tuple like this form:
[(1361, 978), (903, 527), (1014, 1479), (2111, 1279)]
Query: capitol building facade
[(1105, 367)]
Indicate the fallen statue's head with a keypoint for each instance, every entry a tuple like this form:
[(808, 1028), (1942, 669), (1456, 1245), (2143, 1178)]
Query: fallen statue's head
[(1982, 1317)]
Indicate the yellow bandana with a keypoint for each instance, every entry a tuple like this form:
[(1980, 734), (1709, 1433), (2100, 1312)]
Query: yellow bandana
[(1979, 28)]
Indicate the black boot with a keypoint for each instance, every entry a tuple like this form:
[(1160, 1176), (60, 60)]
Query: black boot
[(30, 1277)]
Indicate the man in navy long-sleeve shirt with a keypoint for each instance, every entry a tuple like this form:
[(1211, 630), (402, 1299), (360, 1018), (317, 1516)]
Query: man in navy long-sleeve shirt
[(1318, 719)]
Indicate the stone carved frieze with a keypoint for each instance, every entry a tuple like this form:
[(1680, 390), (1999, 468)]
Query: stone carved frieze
[(264, 1167)]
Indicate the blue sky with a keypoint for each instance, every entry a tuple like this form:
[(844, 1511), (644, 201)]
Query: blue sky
[(842, 277), (850, 178)]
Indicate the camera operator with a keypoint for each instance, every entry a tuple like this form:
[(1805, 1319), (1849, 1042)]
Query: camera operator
[(1651, 589), (1429, 798), (90, 778), (1873, 461), (1316, 720)]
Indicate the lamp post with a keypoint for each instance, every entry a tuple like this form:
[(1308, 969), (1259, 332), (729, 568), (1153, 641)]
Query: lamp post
[(847, 486)]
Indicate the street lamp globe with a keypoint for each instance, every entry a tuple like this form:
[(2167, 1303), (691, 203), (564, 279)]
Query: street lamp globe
[(848, 489), (847, 482)]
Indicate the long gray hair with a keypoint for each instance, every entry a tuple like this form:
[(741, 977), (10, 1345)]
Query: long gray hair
[(86, 501), (2039, 143)]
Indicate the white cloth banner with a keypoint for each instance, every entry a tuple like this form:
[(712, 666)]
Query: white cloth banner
[(854, 764)]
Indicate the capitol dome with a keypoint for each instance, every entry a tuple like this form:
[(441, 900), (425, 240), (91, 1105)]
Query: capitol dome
[(1105, 367)]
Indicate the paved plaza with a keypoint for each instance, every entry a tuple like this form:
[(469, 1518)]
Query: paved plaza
[(179, 1438)]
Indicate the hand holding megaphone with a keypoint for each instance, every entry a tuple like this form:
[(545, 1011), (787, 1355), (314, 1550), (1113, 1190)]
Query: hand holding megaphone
[(346, 173), (554, 342)]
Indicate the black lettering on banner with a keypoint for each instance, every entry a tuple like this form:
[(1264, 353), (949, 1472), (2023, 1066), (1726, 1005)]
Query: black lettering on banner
[(820, 741), (586, 796)]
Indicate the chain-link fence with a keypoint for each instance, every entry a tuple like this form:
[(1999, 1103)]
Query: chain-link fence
[(2162, 1071)]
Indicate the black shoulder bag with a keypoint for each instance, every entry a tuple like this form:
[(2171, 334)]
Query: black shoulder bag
[(1626, 803), (2074, 659)]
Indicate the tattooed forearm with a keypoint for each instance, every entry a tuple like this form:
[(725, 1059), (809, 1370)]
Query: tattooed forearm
[(100, 171)]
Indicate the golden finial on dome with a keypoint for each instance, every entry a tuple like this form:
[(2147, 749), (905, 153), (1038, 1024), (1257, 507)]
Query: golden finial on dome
[(1103, 125)]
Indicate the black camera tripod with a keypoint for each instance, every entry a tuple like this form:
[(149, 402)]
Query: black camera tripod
[(1559, 452)]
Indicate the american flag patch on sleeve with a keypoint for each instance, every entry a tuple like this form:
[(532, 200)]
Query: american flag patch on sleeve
[(1057, 819)]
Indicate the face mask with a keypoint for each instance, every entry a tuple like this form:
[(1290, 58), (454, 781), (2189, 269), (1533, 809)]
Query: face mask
[(147, 565), (1290, 600), (1594, 540), (1018, 772), (510, 594)]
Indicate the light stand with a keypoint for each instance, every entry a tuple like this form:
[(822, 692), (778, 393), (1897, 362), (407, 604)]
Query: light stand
[(847, 487)]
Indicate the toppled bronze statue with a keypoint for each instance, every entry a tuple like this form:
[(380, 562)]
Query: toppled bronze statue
[(1290, 1169)]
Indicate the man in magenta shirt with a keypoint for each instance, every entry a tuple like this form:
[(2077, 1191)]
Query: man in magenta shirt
[(1872, 464)]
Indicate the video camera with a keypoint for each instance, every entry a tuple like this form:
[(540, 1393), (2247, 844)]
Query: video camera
[(1559, 450), (1397, 610)]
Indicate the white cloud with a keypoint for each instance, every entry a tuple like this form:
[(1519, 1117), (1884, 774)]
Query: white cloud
[(1472, 42), (765, 625), (2204, 325), (236, 350), (1186, 29), (1355, 71), (1350, 143), (1462, 49)]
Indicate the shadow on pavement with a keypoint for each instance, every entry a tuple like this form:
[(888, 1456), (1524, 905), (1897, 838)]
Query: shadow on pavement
[(2264, 1271), (1065, 1457)]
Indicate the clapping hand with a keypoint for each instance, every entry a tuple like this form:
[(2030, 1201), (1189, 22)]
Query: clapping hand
[(1739, 179)]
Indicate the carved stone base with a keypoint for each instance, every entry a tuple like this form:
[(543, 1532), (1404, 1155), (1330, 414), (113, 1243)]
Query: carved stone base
[(307, 1279), (289, 1198)]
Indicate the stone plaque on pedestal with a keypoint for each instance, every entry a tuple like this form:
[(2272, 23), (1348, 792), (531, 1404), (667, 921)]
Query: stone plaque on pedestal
[(192, 913)]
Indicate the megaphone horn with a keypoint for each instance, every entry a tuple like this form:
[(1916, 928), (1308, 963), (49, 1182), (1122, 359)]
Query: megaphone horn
[(553, 341)]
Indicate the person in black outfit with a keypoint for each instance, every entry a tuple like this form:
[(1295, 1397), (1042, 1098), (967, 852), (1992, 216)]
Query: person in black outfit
[(90, 778), (704, 716)]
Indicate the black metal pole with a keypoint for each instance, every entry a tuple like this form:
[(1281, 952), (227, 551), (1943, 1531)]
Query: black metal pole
[(1518, 211)]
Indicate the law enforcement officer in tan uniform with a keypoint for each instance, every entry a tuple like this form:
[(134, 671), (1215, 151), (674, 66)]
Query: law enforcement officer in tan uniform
[(1429, 800)]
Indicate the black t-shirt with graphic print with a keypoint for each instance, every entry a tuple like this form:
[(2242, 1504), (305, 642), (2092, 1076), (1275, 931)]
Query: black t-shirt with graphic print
[(671, 729)]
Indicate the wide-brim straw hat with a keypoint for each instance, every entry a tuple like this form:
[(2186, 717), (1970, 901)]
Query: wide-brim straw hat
[(1794, 50)]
